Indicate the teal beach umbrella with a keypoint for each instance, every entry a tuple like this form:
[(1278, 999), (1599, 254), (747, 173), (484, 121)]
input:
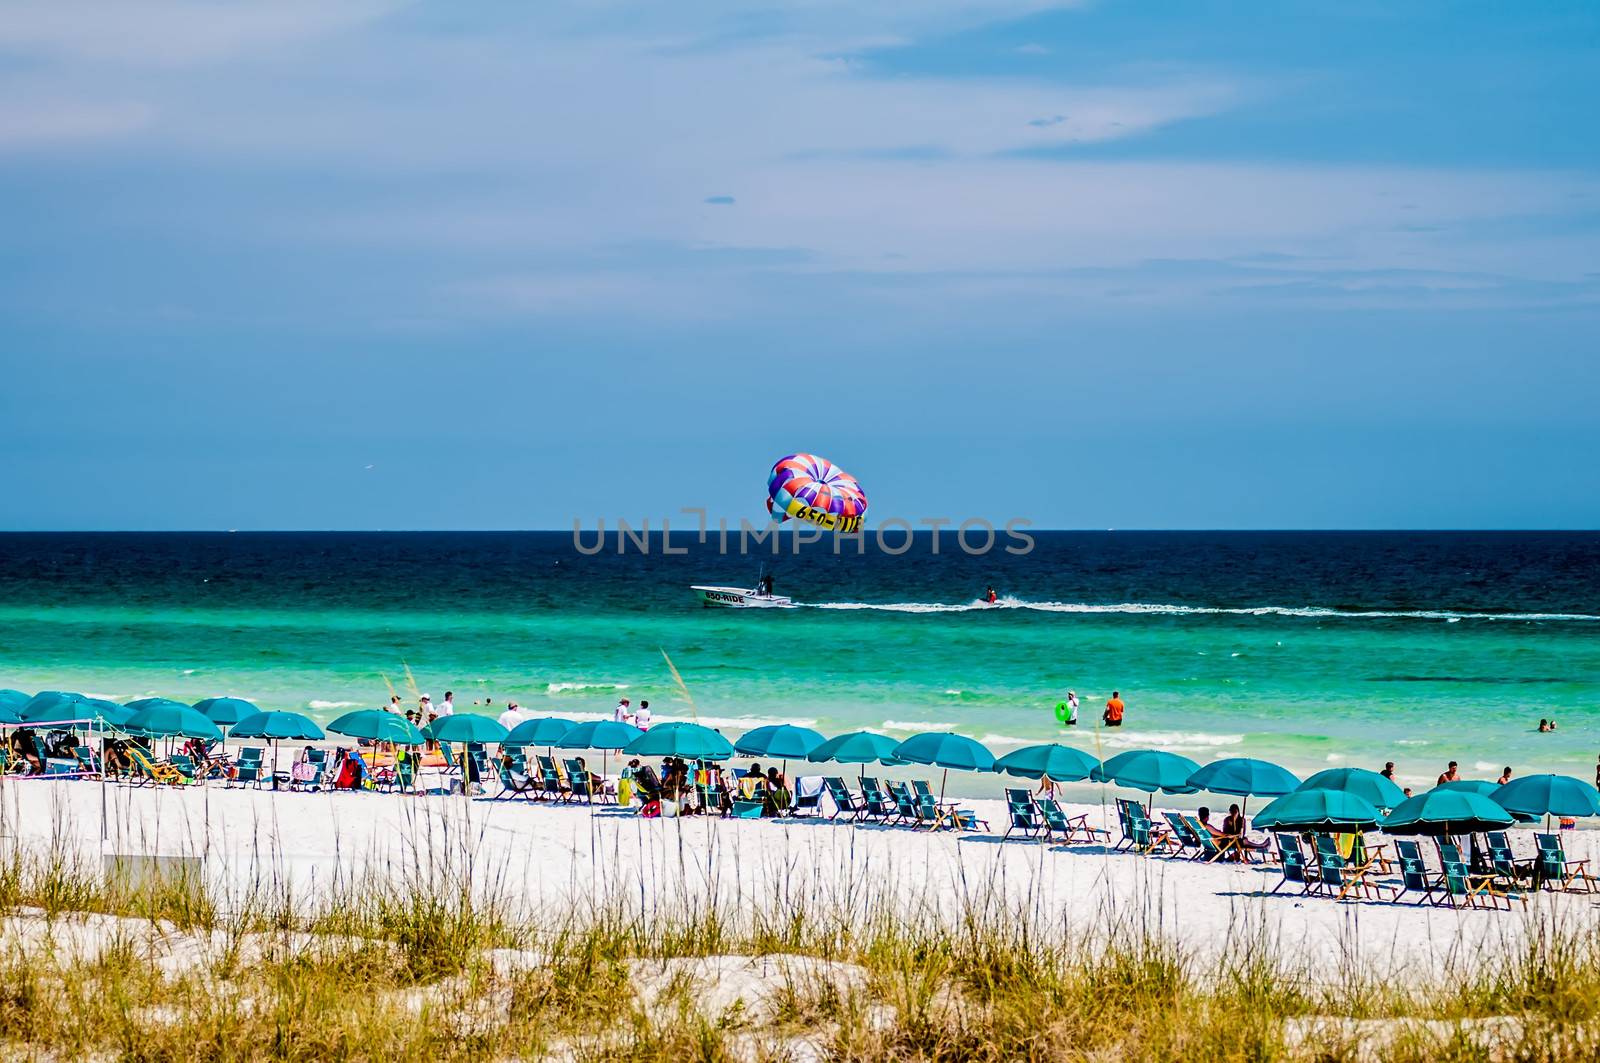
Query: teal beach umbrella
[(1446, 812), (545, 731), (600, 734), (9, 717), (53, 706), (690, 741), (174, 720), (140, 704), (13, 699), (782, 741), (1148, 770), (278, 726), (1059, 762), (226, 711), (1365, 784), (1244, 777), (857, 747), (105, 712), (378, 725), (1548, 795), (1325, 811), (942, 749), (1486, 788), (467, 727)]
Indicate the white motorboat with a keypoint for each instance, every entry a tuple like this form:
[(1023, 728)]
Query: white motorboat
[(739, 598)]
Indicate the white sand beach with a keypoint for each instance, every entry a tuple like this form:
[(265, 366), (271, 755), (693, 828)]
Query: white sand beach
[(553, 860)]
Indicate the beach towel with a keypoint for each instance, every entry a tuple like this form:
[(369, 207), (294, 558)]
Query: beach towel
[(809, 786)]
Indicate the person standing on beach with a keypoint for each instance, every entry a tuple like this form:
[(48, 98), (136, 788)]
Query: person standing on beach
[(641, 719), (1450, 775), (1114, 710), (447, 707), (394, 705), (621, 713)]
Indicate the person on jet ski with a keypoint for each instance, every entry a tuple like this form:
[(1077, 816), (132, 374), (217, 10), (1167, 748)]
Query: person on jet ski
[(991, 597)]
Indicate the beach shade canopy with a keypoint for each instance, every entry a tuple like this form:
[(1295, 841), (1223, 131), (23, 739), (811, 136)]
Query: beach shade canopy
[(467, 727), (780, 741), (378, 725), (1548, 795), (1487, 789), (1363, 783), (226, 711), (278, 725), (13, 699), (690, 741), (599, 734), (1059, 762), (174, 720), (1148, 770), (1326, 811), (1244, 777), (545, 731), (1446, 812), (857, 747)]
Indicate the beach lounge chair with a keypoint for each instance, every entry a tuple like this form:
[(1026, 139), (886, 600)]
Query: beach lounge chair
[(926, 812), (87, 762), (1184, 839), (920, 788), (1138, 833), (1460, 886), (578, 782), (152, 772), (1293, 859), (1071, 828), (905, 808), (1555, 870), (1212, 847), (1339, 876), (1503, 862), (879, 805), (184, 767), (1022, 814), (844, 802), (247, 767), (1414, 874)]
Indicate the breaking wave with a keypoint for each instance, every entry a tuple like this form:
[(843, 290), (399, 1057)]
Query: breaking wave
[(1312, 612)]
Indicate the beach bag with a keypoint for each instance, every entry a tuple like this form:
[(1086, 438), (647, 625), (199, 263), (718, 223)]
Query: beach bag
[(650, 809)]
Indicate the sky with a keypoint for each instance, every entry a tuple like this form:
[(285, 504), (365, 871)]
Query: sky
[(376, 264)]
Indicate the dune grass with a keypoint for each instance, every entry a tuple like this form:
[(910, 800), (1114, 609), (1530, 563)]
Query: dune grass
[(430, 961)]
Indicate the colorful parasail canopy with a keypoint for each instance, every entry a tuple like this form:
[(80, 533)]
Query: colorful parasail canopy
[(806, 487)]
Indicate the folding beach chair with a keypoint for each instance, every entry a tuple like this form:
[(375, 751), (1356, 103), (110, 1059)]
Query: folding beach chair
[(1212, 848), (1293, 859), (247, 767), (925, 811), (1184, 838), (1414, 874), (87, 762), (1503, 862), (920, 788), (153, 772), (1341, 877), (904, 807), (878, 805), (578, 781), (1022, 814), (184, 766), (1071, 828), (1138, 833), (844, 802), (1554, 867)]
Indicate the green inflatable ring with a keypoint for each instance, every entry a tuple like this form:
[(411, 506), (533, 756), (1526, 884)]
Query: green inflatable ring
[(1062, 712)]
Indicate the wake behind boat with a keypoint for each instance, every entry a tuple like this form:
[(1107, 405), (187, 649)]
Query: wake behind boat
[(739, 598)]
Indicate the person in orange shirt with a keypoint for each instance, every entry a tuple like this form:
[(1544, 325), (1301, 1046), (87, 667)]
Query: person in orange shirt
[(1114, 710)]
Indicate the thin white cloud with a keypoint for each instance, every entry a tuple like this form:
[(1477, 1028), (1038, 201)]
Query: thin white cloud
[(53, 123), (173, 32)]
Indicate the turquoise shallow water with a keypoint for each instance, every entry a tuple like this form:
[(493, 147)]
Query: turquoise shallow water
[(1306, 649)]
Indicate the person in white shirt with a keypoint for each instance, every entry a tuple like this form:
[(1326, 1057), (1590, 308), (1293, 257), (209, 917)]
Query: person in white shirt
[(1072, 709), (623, 711), (448, 705), (641, 719)]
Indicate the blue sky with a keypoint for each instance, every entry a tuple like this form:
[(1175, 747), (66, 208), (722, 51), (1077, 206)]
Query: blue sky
[(419, 265)]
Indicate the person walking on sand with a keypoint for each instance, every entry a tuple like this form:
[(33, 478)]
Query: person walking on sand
[(1072, 709), (1114, 710), (1450, 775), (1505, 776)]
